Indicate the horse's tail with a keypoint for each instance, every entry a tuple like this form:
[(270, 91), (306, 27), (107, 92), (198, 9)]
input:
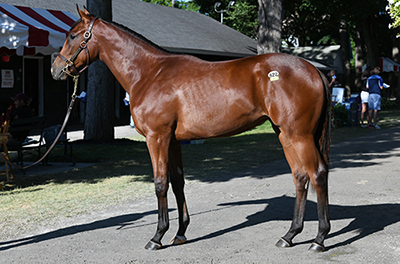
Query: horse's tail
[(323, 132)]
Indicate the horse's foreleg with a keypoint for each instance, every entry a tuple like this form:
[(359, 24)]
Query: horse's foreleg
[(158, 148), (300, 179), (178, 182)]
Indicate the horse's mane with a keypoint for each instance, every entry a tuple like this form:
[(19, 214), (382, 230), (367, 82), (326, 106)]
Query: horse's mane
[(139, 36)]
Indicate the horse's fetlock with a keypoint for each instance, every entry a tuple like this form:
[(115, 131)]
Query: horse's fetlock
[(324, 228), (163, 228)]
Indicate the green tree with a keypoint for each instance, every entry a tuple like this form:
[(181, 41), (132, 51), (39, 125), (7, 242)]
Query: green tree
[(243, 18), (186, 5), (309, 23), (327, 22), (394, 10)]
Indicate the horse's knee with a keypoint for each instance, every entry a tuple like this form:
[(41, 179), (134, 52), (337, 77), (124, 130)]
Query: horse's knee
[(161, 188)]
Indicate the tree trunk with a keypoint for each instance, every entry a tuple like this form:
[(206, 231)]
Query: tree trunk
[(371, 42), (396, 58), (100, 87), (359, 60), (345, 47), (269, 31)]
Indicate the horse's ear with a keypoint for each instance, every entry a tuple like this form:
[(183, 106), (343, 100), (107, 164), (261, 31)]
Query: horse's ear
[(82, 13), (85, 10)]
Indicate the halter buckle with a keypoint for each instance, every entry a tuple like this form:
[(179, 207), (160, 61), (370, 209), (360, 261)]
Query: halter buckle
[(83, 44), (69, 63), (87, 35)]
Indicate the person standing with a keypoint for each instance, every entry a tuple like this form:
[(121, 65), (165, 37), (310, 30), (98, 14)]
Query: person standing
[(364, 95), (22, 110), (374, 86), (332, 79), (127, 103)]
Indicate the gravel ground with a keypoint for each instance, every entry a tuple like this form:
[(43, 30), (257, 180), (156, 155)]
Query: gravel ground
[(238, 218)]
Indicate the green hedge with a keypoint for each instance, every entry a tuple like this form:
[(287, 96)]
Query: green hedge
[(341, 115), (388, 104)]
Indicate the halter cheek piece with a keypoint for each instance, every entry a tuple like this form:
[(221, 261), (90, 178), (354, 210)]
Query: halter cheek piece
[(70, 66)]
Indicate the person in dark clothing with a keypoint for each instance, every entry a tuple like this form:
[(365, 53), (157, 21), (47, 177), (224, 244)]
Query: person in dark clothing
[(22, 110), (374, 86)]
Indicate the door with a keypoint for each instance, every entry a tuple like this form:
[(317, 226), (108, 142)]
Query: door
[(33, 83)]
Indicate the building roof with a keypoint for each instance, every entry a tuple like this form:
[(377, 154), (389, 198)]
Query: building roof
[(173, 29), (328, 56)]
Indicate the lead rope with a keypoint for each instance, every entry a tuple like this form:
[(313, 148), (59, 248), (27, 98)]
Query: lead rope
[(71, 105)]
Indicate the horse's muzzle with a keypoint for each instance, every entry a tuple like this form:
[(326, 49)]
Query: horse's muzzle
[(57, 73)]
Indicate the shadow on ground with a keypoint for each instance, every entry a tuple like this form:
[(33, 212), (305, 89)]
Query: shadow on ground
[(367, 220)]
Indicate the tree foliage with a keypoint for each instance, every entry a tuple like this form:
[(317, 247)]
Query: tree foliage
[(243, 18), (186, 5), (307, 23), (394, 10)]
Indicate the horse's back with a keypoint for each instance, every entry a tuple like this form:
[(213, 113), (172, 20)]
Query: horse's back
[(220, 99)]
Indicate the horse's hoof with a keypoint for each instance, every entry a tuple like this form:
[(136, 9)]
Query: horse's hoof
[(316, 248), (177, 240), (282, 243), (152, 246)]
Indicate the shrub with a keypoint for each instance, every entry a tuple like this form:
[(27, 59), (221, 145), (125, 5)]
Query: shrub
[(341, 115), (387, 104)]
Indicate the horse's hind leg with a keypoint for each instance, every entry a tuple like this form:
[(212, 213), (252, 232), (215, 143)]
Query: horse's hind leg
[(177, 181), (300, 179), (320, 183), (318, 173)]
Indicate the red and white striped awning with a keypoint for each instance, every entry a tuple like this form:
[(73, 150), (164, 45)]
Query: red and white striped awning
[(26, 30), (386, 65)]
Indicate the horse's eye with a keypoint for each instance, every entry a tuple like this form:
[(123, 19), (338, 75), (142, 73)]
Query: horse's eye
[(72, 37)]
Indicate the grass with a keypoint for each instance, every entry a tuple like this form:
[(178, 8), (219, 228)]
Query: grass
[(122, 173)]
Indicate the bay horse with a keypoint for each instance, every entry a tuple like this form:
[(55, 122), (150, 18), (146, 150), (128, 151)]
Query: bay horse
[(180, 97)]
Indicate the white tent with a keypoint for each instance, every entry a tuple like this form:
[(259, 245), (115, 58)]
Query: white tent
[(386, 65), (27, 31)]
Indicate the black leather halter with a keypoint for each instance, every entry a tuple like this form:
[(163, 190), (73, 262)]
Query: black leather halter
[(70, 68)]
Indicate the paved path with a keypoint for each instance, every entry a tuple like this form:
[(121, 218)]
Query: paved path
[(238, 218)]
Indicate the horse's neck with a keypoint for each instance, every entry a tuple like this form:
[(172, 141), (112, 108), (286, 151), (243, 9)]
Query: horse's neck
[(127, 57)]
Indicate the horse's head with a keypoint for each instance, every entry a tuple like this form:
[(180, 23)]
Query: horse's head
[(75, 56)]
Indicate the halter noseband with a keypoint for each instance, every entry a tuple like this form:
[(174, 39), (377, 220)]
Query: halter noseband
[(83, 46)]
